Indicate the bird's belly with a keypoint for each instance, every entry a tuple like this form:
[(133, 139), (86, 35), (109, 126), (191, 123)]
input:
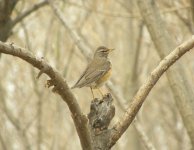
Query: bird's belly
[(102, 80)]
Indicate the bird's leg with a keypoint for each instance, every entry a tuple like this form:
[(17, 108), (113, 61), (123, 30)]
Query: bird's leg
[(92, 92), (101, 92)]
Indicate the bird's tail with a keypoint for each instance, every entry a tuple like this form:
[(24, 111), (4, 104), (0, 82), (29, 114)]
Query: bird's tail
[(75, 86)]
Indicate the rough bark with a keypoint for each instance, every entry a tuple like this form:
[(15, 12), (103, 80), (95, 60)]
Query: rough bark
[(182, 89), (101, 113)]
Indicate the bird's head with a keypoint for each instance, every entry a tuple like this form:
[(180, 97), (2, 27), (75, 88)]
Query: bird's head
[(102, 51)]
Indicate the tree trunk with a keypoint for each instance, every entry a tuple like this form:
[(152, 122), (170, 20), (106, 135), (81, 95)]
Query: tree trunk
[(101, 113)]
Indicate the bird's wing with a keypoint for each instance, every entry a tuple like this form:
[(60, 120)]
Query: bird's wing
[(92, 73), (78, 81)]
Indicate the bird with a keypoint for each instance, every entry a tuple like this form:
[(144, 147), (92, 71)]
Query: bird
[(97, 72)]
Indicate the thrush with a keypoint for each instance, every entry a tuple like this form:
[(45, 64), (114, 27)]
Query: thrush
[(97, 72)]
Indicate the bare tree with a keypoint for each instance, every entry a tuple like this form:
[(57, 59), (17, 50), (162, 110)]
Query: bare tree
[(98, 123), (63, 35)]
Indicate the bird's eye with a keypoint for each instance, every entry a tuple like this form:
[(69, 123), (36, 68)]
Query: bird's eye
[(104, 50)]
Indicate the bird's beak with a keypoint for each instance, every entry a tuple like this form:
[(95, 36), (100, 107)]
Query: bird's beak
[(111, 49)]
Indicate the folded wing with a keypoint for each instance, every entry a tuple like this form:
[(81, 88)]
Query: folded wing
[(92, 74)]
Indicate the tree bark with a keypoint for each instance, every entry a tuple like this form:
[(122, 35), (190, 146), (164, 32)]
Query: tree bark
[(101, 113), (6, 8)]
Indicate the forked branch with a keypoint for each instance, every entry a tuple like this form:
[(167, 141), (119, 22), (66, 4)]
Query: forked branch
[(80, 120)]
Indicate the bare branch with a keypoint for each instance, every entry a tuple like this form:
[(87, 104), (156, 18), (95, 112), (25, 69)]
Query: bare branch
[(124, 15), (144, 138), (182, 89), (105, 13), (74, 35), (121, 126), (192, 14), (60, 86), (28, 12), (3, 144), (15, 122)]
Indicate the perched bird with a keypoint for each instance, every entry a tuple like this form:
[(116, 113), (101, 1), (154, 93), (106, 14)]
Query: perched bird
[(97, 72)]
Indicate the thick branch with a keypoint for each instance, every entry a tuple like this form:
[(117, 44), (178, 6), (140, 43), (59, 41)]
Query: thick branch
[(60, 86), (182, 89), (6, 9), (120, 127), (101, 113)]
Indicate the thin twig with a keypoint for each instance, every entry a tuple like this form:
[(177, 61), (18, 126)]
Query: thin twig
[(138, 47), (105, 13), (126, 15), (144, 138), (38, 93), (28, 12), (85, 50), (3, 144)]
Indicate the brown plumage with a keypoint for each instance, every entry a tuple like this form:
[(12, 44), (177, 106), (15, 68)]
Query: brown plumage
[(98, 70)]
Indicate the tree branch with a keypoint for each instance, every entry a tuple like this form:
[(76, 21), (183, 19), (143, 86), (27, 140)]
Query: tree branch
[(144, 138), (183, 90), (28, 12), (121, 126), (74, 35), (60, 86), (192, 14)]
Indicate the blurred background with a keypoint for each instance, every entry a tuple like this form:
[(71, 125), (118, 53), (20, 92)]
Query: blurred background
[(66, 33)]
